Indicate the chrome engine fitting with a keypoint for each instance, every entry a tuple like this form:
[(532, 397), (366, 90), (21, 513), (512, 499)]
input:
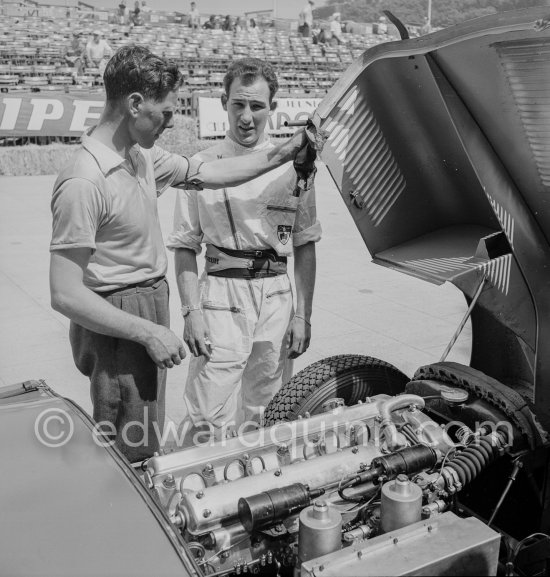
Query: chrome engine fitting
[(276, 498), (401, 504), (320, 531)]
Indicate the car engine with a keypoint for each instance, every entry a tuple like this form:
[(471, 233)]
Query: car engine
[(369, 488)]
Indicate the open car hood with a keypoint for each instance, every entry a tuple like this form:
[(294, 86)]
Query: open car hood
[(440, 147)]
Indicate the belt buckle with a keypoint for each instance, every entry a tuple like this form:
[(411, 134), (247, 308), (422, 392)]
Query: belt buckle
[(258, 253)]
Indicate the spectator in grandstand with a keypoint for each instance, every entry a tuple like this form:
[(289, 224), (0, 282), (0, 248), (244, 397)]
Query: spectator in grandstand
[(336, 29), (352, 27), (239, 24), (252, 28), (108, 261), (323, 36), (305, 19), (228, 24), (136, 19), (194, 16), (315, 30), (123, 14), (240, 322), (75, 54), (210, 24), (98, 52), (382, 26)]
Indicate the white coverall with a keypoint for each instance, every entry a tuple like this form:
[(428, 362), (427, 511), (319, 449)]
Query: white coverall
[(246, 319)]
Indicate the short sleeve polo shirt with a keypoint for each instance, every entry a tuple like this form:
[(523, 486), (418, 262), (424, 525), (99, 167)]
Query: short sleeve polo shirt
[(107, 203)]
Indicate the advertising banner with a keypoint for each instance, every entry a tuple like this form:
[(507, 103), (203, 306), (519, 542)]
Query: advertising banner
[(59, 114), (213, 118), (56, 114)]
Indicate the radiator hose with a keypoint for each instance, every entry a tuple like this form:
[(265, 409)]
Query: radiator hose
[(466, 465)]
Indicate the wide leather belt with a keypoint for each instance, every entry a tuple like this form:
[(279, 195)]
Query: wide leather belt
[(231, 263)]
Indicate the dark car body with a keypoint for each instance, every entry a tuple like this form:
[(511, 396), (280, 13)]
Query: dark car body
[(71, 505)]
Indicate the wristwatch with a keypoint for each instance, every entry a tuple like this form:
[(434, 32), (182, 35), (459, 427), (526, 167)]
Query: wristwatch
[(186, 309)]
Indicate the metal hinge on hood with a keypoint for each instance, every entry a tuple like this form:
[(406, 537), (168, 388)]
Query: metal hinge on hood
[(22, 388)]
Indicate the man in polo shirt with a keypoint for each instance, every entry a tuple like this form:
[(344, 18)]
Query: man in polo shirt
[(108, 260)]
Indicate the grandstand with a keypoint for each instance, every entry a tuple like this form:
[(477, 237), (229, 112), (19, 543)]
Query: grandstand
[(33, 45)]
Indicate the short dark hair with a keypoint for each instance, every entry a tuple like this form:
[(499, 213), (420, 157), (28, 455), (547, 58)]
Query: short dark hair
[(134, 68), (249, 69)]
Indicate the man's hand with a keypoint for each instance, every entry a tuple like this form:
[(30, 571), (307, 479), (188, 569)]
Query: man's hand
[(310, 135), (298, 337), (294, 144), (164, 347), (195, 335)]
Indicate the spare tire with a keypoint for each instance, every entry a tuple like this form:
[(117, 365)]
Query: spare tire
[(350, 377)]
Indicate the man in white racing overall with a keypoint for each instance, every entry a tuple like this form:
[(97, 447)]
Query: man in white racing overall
[(240, 322)]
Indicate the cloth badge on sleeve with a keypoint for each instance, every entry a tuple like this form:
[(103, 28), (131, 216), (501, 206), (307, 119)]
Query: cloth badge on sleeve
[(283, 233)]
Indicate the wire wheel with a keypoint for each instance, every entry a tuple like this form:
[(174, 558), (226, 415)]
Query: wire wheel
[(349, 377)]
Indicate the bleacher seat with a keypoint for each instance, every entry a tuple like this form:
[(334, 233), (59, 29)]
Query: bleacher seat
[(32, 54), (61, 80), (197, 81), (64, 71), (85, 80), (24, 53), (7, 80), (216, 79), (22, 69), (172, 54), (43, 69), (49, 55), (35, 81)]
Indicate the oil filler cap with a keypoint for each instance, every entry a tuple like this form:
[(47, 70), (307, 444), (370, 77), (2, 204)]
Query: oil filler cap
[(454, 396)]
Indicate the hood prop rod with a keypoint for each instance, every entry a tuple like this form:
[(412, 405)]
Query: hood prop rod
[(465, 318)]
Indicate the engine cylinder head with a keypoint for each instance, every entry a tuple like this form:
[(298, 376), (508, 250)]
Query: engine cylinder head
[(320, 531), (401, 504)]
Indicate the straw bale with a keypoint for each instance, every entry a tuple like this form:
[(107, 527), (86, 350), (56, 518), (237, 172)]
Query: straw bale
[(33, 159)]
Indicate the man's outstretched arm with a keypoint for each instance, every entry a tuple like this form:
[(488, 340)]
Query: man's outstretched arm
[(234, 171)]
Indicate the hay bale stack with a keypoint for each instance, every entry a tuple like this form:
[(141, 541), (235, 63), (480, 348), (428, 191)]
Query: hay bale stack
[(33, 159)]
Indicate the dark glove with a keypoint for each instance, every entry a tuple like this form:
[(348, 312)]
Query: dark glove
[(304, 163)]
